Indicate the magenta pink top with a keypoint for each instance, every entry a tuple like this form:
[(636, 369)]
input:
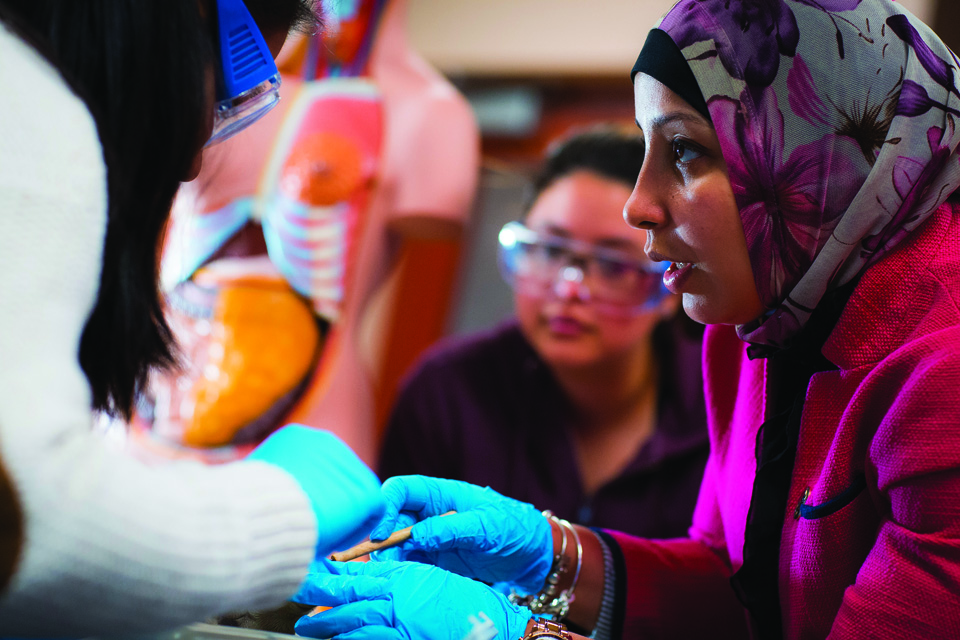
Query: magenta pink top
[(871, 540)]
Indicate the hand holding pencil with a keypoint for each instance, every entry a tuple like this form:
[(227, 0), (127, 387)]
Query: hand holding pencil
[(490, 537), (397, 537)]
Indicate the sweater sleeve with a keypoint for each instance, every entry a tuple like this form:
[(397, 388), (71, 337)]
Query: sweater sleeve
[(678, 588), (909, 584), (111, 545)]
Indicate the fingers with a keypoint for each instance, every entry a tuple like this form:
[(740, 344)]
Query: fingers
[(423, 497), (333, 590), (311, 627), (407, 500), (394, 494), (385, 569), (391, 554), (457, 531), (373, 633), (347, 618), (400, 521), (360, 595), (406, 519), (406, 552)]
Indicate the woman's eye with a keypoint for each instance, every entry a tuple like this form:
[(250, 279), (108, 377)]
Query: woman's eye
[(612, 269), (684, 152), (553, 252)]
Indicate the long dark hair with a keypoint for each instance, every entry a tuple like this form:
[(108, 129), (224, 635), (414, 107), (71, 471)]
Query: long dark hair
[(142, 67)]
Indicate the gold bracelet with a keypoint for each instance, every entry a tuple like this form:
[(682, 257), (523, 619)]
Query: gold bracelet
[(576, 574), (548, 601)]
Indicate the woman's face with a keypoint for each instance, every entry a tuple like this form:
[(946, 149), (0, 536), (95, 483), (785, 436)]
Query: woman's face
[(564, 327), (683, 199)]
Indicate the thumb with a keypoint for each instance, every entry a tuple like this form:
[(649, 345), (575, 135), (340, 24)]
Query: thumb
[(454, 531), (385, 528), (396, 494)]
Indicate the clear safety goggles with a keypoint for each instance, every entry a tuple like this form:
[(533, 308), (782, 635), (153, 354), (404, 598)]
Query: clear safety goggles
[(248, 84), (544, 265)]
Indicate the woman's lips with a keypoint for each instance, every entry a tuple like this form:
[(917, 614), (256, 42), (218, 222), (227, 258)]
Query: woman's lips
[(565, 326), (676, 275)]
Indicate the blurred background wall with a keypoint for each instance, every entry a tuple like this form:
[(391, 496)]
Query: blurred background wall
[(533, 70), (546, 37)]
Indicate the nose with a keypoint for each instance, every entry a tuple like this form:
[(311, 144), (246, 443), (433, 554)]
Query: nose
[(569, 284), (645, 208)]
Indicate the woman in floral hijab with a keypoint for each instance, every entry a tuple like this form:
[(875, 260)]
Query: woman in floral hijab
[(801, 158), (837, 121)]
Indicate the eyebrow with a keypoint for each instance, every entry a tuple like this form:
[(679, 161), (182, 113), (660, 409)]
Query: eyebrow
[(676, 116), (616, 243), (606, 243)]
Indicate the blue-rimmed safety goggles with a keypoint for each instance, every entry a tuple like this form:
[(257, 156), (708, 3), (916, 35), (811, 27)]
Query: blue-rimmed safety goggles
[(537, 264), (248, 85)]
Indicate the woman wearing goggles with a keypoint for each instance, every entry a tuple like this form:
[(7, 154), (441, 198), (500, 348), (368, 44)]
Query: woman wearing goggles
[(594, 371), (613, 280)]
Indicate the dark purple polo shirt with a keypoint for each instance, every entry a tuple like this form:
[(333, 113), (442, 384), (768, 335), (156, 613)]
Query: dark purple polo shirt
[(485, 409)]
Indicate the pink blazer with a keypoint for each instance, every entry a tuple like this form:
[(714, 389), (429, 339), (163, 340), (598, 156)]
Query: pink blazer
[(881, 562)]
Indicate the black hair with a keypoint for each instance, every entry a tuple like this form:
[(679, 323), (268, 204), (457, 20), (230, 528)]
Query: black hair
[(142, 67), (609, 151), (272, 16)]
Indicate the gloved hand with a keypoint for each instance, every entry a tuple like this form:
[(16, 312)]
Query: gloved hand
[(344, 493), (400, 600), (491, 537)]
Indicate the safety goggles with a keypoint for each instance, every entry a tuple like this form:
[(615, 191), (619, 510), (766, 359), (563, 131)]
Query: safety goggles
[(544, 265), (248, 85)]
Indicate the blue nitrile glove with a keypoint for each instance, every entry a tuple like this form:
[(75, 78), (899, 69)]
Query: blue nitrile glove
[(491, 537), (344, 493), (401, 600)]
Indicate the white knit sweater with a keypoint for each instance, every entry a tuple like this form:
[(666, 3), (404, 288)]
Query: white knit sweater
[(112, 545)]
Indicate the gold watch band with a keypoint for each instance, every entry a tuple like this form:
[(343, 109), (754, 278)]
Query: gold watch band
[(547, 629)]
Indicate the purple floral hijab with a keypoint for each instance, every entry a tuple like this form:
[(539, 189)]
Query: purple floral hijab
[(838, 122)]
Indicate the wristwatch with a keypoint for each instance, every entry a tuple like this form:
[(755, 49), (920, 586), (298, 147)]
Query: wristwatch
[(547, 629)]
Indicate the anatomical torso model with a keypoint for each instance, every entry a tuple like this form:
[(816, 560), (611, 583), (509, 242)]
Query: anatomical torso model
[(278, 258)]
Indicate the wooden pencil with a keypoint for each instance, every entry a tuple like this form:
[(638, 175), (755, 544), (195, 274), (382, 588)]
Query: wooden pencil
[(397, 537)]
